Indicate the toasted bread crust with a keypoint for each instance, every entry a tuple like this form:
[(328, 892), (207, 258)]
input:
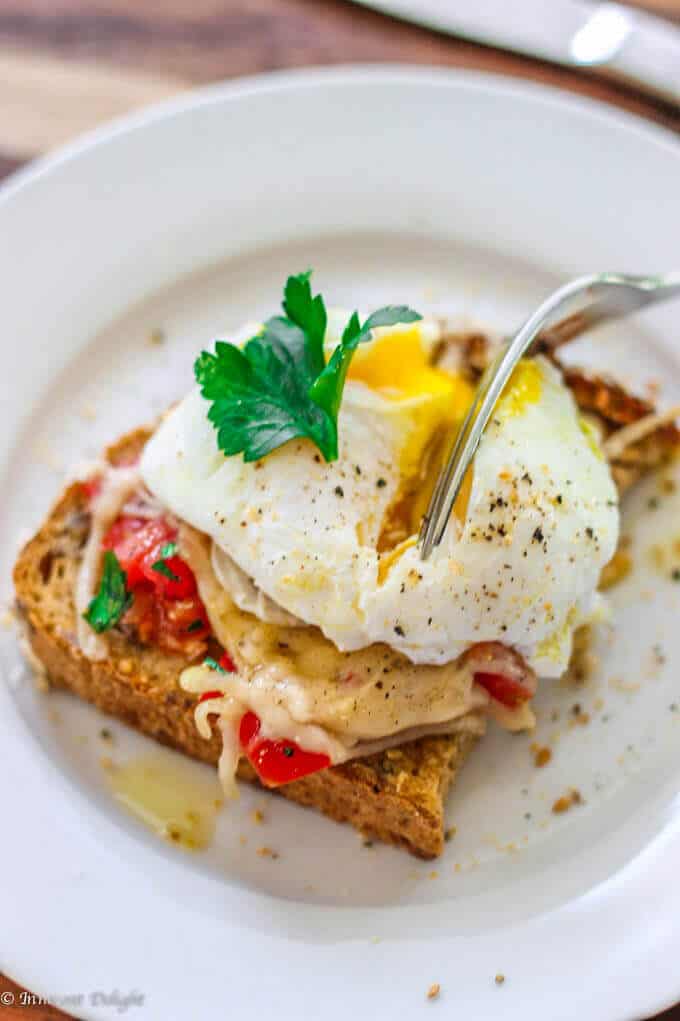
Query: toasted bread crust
[(396, 796)]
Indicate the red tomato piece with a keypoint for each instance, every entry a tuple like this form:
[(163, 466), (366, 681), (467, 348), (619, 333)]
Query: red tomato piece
[(175, 580), (227, 663), (137, 543), (249, 728), (210, 694), (277, 761), (167, 610), (506, 690)]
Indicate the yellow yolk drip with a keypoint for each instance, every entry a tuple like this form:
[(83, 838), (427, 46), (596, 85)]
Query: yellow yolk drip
[(523, 388), (389, 559), (397, 365), (592, 436)]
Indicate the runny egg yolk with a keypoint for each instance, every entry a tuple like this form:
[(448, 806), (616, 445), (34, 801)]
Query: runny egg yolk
[(397, 365)]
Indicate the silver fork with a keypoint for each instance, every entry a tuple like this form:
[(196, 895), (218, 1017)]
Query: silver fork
[(587, 301)]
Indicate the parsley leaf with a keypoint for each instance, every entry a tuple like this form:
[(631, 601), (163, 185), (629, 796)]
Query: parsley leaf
[(309, 314), (259, 395), (278, 386), (112, 599), (162, 567)]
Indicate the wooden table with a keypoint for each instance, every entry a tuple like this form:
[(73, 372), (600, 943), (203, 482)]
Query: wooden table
[(66, 65)]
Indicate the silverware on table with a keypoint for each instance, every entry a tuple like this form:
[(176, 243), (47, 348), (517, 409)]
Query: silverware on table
[(611, 39)]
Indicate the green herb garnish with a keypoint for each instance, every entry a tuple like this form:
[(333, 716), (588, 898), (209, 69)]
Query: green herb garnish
[(214, 665), (278, 386), (112, 599), (161, 565)]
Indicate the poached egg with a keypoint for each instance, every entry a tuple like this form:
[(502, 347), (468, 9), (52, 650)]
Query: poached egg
[(334, 545)]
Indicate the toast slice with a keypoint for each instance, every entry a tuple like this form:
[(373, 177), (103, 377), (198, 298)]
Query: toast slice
[(396, 796)]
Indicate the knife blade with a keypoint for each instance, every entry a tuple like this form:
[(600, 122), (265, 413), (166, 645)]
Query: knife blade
[(631, 46)]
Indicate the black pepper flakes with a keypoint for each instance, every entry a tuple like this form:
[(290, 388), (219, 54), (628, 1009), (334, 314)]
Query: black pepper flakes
[(339, 491), (398, 630), (538, 534), (381, 483)]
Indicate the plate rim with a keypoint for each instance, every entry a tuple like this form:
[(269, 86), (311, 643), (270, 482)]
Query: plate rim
[(234, 89)]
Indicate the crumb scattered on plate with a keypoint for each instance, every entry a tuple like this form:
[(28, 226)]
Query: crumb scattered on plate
[(156, 337), (433, 991), (268, 852), (542, 755), (567, 801)]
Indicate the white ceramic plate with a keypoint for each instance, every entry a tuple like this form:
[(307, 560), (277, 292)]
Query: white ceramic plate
[(461, 194)]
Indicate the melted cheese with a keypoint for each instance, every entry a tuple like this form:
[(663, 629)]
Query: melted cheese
[(118, 485), (294, 678)]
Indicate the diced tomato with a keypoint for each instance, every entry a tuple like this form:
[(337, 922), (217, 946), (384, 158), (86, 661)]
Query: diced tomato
[(175, 580), (277, 762), (248, 729), (132, 540), (506, 690), (167, 610), (210, 694), (183, 616), (227, 663), (138, 543)]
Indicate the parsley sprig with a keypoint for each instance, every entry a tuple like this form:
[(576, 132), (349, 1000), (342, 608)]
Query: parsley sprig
[(112, 599), (278, 386)]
